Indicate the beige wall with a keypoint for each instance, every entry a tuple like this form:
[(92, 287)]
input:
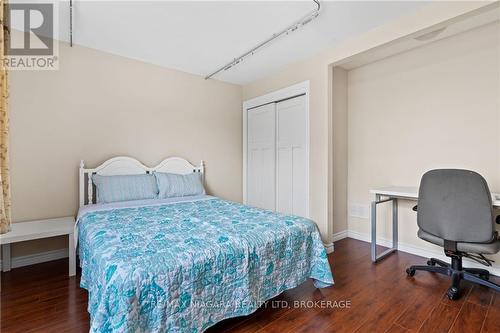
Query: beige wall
[(157, 106), (432, 107), (97, 106), (329, 213)]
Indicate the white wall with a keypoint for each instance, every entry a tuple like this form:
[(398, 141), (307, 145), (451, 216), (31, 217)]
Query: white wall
[(432, 107)]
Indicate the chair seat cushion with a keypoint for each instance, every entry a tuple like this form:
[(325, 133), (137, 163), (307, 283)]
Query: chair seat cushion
[(484, 248)]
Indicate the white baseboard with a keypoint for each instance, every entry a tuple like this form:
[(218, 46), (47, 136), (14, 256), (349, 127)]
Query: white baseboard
[(336, 237), (422, 252), (330, 247), (339, 235), (37, 258), (40, 257), (366, 238)]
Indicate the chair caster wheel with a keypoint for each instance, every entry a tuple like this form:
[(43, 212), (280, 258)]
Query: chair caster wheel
[(452, 293), (431, 263), (410, 272)]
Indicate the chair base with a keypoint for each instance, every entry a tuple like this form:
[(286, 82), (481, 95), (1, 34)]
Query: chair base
[(457, 273)]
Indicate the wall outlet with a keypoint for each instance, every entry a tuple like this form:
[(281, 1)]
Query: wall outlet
[(359, 211)]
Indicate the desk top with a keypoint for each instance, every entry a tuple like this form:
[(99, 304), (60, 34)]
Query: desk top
[(408, 192), (23, 231), (411, 193)]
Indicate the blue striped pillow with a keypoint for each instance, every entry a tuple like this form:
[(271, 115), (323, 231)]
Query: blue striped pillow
[(125, 188), (173, 185)]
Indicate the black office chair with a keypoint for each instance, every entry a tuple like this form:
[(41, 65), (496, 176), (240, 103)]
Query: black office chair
[(455, 211)]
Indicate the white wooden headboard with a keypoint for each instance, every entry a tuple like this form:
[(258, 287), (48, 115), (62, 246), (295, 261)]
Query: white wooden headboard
[(123, 165)]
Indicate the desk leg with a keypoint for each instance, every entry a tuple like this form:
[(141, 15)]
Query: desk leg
[(6, 257), (373, 244), (72, 255), (395, 224)]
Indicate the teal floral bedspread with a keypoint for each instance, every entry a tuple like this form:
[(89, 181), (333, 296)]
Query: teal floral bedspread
[(183, 267)]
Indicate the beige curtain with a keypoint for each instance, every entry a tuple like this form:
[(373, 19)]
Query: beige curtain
[(5, 218)]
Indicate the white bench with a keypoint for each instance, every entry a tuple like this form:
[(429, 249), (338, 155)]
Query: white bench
[(26, 231)]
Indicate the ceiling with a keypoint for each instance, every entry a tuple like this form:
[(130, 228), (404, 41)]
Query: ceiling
[(199, 37)]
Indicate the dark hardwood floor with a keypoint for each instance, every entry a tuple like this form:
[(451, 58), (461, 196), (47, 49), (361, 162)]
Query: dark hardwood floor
[(41, 298)]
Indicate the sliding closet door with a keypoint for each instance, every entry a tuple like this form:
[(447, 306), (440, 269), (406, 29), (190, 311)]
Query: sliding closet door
[(292, 155), (261, 155)]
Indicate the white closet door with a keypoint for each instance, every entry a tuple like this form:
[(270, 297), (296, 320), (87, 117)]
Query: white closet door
[(292, 173), (261, 155)]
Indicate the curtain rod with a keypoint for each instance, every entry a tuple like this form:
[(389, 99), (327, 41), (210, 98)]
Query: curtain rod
[(291, 28)]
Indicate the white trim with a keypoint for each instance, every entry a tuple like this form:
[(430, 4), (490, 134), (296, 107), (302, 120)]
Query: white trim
[(339, 235), (329, 247), (38, 258), (245, 144), (301, 88), (277, 95), (419, 251), (366, 238)]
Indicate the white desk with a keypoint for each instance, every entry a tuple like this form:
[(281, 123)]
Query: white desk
[(393, 194), (25, 231)]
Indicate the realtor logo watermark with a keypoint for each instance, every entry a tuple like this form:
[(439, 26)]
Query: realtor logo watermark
[(32, 41)]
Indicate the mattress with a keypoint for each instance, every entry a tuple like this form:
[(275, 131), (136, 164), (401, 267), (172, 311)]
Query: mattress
[(182, 265)]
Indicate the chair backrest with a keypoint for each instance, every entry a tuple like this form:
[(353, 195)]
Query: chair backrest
[(455, 205)]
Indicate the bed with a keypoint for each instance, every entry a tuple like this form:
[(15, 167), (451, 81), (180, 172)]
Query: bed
[(183, 264)]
